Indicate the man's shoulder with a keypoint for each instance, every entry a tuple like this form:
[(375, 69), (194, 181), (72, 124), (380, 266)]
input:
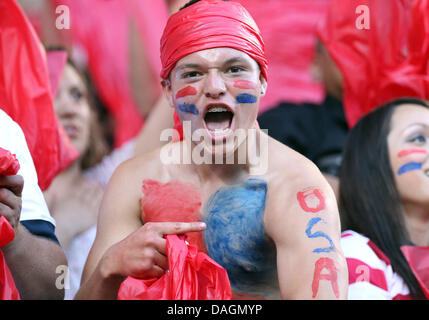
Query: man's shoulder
[(292, 173), (147, 166), (288, 163)]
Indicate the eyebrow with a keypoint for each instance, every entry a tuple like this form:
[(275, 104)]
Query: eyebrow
[(424, 125), (188, 65), (196, 66)]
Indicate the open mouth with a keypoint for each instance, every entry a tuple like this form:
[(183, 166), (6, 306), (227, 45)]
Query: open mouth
[(71, 130), (218, 119)]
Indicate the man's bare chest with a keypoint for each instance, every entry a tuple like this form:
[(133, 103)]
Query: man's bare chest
[(235, 236)]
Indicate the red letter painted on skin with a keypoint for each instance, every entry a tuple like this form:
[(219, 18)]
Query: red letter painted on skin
[(244, 84), (311, 200), (407, 152), (320, 265), (188, 91)]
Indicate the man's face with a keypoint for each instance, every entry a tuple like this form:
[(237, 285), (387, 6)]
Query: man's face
[(218, 91)]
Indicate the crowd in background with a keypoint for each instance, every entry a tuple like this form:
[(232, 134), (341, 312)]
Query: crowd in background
[(348, 89)]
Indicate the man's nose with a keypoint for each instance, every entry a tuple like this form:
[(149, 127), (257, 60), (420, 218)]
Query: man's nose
[(215, 85)]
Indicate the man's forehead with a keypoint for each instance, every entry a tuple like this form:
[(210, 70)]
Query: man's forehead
[(215, 55)]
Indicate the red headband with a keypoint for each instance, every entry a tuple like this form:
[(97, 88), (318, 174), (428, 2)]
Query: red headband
[(211, 24)]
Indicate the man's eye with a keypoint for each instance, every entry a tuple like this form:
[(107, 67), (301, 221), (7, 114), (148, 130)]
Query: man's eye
[(191, 74), (235, 69)]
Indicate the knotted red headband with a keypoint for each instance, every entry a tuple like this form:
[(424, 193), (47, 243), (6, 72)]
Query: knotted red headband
[(211, 24)]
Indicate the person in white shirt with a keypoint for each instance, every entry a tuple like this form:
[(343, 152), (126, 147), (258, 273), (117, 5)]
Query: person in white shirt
[(34, 255)]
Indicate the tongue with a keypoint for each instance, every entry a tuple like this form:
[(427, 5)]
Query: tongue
[(218, 120)]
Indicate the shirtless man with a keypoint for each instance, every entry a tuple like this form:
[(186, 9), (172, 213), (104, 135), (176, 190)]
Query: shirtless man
[(276, 233)]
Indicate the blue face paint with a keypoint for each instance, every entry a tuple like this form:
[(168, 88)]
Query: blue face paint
[(409, 167), (318, 234), (188, 108), (235, 236), (245, 98)]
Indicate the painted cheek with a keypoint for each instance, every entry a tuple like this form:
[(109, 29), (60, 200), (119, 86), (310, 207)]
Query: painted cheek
[(185, 92), (245, 98), (188, 108), (407, 152), (244, 84), (410, 166), (311, 200)]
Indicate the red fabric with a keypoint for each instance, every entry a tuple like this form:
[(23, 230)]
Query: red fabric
[(9, 165), (288, 28), (172, 202), (56, 61), (107, 54), (418, 259), (8, 290), (387, 61), (380, 254), (192, 275), (360, 271), (210, 24), (25, 94)]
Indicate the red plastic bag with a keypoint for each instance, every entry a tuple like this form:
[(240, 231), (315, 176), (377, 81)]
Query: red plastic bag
[(8, 290), (192, 275), (25, 94), (418, 259), (9, 165)]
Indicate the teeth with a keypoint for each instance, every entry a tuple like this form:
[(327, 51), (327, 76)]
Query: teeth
[(221, 131), (218, 109)]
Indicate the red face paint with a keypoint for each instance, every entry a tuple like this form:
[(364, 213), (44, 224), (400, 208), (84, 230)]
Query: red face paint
[(188, 91), (244, 84), (407, 152), (171, 202), (320, 265), (311, 200)]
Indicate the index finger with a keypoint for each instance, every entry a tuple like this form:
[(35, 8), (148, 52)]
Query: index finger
[(164, 228)]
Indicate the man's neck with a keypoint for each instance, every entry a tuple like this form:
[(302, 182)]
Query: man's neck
[(238, 169)]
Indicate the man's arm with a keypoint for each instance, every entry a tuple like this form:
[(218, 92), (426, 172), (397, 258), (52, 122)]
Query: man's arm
[(33, 262), (306, 232)]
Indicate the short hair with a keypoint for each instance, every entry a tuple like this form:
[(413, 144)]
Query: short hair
[(369, 202), (190, 3)]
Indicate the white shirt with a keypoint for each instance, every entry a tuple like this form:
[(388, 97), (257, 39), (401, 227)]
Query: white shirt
[(12, 139), (371, 276)]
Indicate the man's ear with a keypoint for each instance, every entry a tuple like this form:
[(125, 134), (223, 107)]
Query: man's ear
[(264, 84), (168, 91)]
